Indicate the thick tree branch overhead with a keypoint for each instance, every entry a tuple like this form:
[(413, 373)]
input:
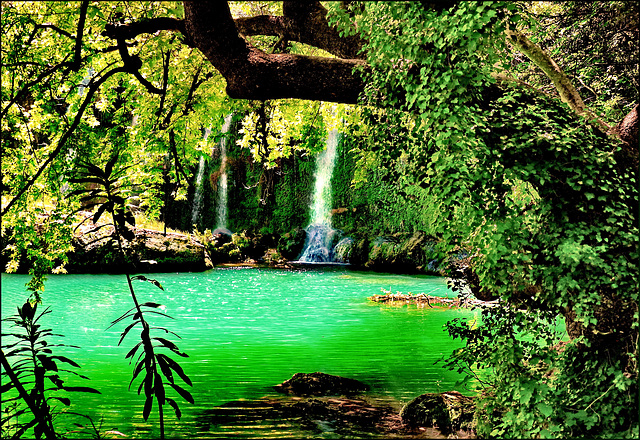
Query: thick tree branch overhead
[(254, 74)]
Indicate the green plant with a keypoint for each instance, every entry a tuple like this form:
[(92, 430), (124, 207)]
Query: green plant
[(108, 197), (544, 202), (34, 372)]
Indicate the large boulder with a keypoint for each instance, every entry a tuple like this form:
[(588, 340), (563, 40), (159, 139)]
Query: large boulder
[(321, 384), (291, 244), (449, 412), (149, 251), (404, 253)]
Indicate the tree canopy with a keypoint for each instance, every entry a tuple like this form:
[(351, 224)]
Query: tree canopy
[(517, 120)]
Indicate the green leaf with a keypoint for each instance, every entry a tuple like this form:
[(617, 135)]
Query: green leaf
[(184, 393), (66, 359), (65, 400), (175, 407), (126, 331), (133, 350), (525, 394), (171, 346), (158, 389), (101, 211), (545, 409), (174, 366), (147, 407), (47, 363)]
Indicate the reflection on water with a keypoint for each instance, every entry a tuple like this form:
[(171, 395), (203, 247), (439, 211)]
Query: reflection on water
[(246, 330)]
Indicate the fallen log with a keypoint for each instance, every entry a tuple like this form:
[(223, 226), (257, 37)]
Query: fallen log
[(423, 300)]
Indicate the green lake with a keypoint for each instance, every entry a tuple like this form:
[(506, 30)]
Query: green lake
[(245, 330)]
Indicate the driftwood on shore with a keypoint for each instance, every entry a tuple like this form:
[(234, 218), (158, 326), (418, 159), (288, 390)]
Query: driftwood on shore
[(424, 300)]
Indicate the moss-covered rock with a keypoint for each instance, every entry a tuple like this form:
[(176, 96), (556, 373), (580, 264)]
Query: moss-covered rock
[(149, 251), (449, 412), (402, 252), (291, 244)]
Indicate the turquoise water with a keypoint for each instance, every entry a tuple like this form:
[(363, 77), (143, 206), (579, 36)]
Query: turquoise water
[(245, 330)]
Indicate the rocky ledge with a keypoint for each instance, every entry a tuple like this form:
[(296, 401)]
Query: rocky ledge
[(149, 251)]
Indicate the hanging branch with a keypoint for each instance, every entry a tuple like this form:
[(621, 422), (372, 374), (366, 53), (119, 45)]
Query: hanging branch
[(566, 90), (133, 65)]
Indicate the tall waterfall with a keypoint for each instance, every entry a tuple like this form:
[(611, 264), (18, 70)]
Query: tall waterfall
[(221, 209), (321, 237), (197, 198)]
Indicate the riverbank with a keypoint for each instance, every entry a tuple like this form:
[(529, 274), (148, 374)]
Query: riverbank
[(95, 251)]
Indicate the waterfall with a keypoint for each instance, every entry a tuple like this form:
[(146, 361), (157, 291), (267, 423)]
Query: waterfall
[(221, 210), (197, 198), (321, 237), (325, 162)]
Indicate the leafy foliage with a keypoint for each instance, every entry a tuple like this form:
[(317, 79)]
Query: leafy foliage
[(538, 197), (34, 374), (596, 44), (543, 203), (107, 196)]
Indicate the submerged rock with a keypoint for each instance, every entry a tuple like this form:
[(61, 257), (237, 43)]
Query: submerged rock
[(320, 384), (316, 417)]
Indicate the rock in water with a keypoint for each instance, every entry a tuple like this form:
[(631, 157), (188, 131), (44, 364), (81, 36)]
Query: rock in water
[(449, 412), (320, 384)]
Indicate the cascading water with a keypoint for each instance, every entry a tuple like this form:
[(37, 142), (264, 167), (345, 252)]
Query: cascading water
[(321, 237), (197, 198), (221, 210)]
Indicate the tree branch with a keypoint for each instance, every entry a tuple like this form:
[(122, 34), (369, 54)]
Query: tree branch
[(131, 30), (65, 137), (566, 90), (253, 74), (77, 53), (133, 64), (30, 84), (305, 22), (50, 26)]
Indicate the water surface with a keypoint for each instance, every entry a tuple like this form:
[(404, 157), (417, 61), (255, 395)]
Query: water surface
[(245, 330)]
